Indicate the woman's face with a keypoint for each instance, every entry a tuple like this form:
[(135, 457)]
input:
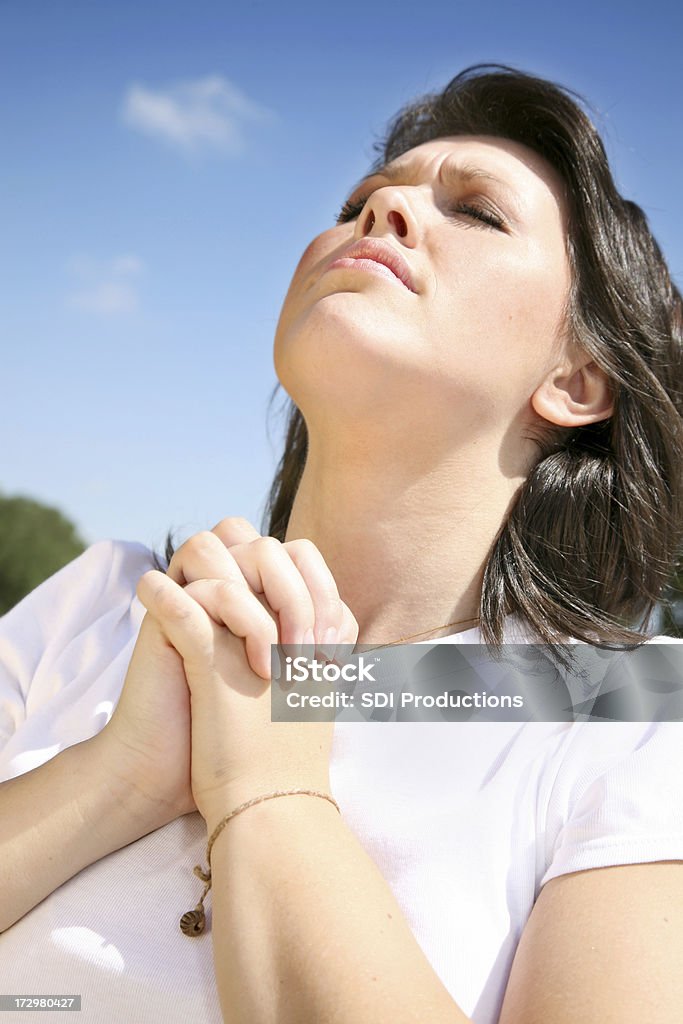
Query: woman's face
[(465, 321)]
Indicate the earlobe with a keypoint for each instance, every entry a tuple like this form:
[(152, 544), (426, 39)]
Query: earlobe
[(573, 399)]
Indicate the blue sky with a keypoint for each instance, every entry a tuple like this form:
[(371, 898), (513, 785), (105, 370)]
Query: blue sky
[(163, 167)]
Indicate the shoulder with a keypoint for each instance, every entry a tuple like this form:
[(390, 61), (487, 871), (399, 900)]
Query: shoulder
[(69, 635), (106, 571), (614, 883), (86, 606), (104, 563)]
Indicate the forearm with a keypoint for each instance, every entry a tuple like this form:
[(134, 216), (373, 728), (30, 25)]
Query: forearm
[(58, 819), (305, 929)]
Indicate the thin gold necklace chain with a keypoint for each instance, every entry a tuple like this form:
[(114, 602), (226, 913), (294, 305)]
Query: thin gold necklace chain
[(434, 629)]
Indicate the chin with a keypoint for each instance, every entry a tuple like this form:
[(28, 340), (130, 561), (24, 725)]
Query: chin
[(342, 334)]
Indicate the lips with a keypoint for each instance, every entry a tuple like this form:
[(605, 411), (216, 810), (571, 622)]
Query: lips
[(380, 252)]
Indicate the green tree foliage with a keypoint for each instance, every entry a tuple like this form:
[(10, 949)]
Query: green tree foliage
[(35, 541)]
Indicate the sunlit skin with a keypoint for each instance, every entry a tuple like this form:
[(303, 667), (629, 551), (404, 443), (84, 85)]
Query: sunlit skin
[(419, 404)]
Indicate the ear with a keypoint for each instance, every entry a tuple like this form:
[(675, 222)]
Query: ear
[(575, 395)]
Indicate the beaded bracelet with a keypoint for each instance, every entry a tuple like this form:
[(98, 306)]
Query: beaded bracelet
[(194, 921)]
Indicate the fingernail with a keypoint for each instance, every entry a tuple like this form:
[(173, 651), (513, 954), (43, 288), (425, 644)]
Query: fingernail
[(329, 645), (309, 641)]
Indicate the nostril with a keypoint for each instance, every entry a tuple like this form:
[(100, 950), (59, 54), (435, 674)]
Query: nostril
[(369, 223), (398, 223)]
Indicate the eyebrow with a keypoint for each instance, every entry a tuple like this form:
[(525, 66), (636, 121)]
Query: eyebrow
[(449, 173)]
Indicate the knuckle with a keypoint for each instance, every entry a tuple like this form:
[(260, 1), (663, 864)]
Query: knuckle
[(168, 604), (232, 521), (151, 581), (226, 589), (301, 546), (268, 544), (202, 540), (195, 589)]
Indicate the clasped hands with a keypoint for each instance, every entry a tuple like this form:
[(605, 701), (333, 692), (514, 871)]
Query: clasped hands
[(228, 594)]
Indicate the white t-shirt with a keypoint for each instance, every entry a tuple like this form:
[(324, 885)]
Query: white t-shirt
[(466, 821)]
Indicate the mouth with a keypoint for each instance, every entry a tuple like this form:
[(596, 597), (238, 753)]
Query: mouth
[(372, 254)]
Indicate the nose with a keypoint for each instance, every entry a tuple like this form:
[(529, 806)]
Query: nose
[(387, 211)]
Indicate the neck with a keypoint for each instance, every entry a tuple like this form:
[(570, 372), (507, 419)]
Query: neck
[(406, 544)]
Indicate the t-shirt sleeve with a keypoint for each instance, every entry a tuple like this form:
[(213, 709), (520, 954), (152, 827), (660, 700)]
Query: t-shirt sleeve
[(618, 796), (63, 653)]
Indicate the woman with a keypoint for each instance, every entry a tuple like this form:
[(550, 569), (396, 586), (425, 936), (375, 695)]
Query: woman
[(485, 351)]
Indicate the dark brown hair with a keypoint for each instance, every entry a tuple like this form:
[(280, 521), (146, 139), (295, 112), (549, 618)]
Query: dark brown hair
[(594, 533)]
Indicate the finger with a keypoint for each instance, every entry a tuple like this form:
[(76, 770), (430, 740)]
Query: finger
[(235, 530), (259, 563), (350, 628), (347, 638), (203, 556), (243, 614), (182, 620), (322, 586), (269, 570)]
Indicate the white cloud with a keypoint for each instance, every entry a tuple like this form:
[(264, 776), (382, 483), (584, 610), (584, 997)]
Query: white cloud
[(207, 113), (107, 298), (127, 266), (108, 288)]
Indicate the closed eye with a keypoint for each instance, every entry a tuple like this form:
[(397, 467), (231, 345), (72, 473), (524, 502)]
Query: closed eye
[(352, 209), (482, 214)]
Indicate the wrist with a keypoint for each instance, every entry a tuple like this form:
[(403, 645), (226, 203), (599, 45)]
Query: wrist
[(228, 799), (266, 821), (115, 793)]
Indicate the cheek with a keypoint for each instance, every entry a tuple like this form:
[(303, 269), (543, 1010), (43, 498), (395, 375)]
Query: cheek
[(519, 303), (316, 254), (318, 251), (500, 326), (540, 307), (311, 263), (311, 254)]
